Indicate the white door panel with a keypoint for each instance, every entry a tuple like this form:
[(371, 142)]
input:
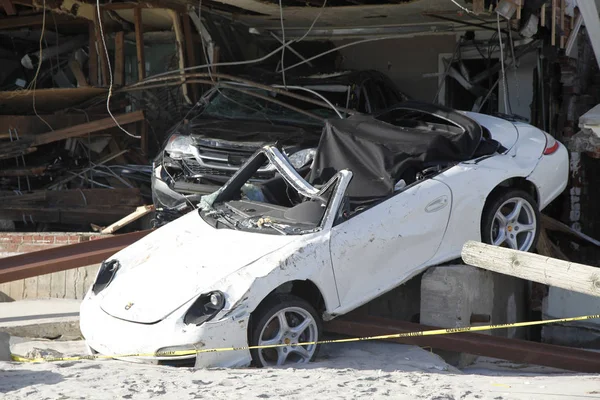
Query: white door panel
[(378, 248)]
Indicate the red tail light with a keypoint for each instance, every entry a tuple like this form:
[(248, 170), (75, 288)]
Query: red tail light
[(551, 145)]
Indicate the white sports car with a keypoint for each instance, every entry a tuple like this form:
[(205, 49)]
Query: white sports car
[(386, 197)]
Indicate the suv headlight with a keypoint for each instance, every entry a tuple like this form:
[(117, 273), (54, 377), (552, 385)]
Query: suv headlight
[(178, 145), (300, 158), (205, 308)]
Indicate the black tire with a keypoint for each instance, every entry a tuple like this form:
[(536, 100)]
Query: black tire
[(494, 204), (267, 310)]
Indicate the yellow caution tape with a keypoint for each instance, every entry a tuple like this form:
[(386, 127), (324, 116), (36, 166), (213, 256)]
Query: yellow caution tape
[(434, 332)]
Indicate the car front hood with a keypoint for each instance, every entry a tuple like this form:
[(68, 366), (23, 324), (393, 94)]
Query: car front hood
[(249, 135), (177, 262)]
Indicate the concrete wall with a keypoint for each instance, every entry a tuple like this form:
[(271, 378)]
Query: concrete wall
[(561, 303), (404, 60), (71, 284)]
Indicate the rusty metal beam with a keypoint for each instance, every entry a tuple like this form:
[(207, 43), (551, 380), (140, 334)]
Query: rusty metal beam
[(473, 343), (65, 257)]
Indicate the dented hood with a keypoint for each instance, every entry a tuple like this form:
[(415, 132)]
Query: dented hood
[(177, 262)]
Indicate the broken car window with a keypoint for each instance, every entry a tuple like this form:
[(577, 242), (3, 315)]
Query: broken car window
[(233, 104)]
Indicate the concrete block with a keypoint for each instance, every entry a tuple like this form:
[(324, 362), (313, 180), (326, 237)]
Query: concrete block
[(16, 289), (44, 283), (30, 289), (49, 319), (461, 295), (5, 347), (58, 285), (561, 303)]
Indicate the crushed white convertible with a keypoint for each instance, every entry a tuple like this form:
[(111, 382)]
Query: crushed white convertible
[(264, 263)]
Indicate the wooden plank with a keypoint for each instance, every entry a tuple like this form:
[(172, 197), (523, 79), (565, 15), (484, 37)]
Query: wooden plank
[(101, 49), (533, 267), (144, 137), (139, 43), (553, 225), (478, 6), (191, 53), (215, 59), (553, 40), (134, 216), (89, 127), (9, 7), (93, 56), (181, 57), (562, 23), (543, 15), (25, 171), (78, 72), (27, 21), (119, 58)]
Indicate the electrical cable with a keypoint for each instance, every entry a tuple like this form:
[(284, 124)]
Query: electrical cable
[(313, 23), (283, 40), (110, 86), (37, 72), (505, 86), (246, 62), (465, 9), (514, 63)]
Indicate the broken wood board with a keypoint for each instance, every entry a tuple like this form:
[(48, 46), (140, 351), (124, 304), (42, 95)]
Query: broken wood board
[(85, 206), (46, 100), (76, 198), (533, 267), (551, 224), (23, 171), (64, 215), (89, 127), (134, 216)]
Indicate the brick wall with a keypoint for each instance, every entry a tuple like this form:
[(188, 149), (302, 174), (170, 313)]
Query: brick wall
[(70, 284)]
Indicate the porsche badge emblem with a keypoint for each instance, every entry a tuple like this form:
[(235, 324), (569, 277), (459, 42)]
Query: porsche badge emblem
[(128, 306)]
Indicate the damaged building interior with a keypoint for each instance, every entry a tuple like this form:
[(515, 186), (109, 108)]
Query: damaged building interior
[(121, 116)]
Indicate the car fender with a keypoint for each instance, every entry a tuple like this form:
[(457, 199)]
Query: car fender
[(305, 260), (471, 184)]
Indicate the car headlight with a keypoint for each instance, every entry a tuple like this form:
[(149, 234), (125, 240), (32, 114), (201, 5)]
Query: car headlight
[(300, 158), (178, 145), (106, 273), (205, 308)]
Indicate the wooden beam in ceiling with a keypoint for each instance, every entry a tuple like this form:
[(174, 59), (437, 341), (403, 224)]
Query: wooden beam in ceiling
[(9, 7), (139, 43)]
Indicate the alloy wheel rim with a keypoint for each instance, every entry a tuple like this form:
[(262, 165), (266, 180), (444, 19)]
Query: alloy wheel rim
[(514, 225), (289, 326)]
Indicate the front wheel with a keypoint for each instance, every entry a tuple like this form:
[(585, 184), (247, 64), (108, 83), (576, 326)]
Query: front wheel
[(511, 219), (288, 320)]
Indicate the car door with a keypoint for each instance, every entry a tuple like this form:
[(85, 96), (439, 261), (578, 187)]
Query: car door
[(376, 250)]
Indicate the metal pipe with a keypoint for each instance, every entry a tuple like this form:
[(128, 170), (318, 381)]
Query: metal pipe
[(31, 60)]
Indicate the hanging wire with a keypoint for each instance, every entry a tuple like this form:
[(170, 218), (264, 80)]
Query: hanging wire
[(110, 74), (283, 40), (37, 72), (505, 86)]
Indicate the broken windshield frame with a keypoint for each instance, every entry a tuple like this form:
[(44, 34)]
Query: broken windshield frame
[(328, 196), (234, 100)]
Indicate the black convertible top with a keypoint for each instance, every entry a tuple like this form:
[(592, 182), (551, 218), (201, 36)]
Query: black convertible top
[(380, 149)]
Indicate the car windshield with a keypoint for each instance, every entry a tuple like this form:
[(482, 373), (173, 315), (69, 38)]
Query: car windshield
[(285, 205), (234, 104)]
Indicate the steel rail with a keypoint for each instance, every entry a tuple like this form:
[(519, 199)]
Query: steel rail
[(65, 257), (515, 350)]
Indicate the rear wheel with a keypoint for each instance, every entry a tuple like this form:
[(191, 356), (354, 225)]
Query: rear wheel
[(511, 219), (289, 320)]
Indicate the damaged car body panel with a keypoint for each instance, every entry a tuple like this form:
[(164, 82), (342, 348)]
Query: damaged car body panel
[(387, 196), (236, 119)]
